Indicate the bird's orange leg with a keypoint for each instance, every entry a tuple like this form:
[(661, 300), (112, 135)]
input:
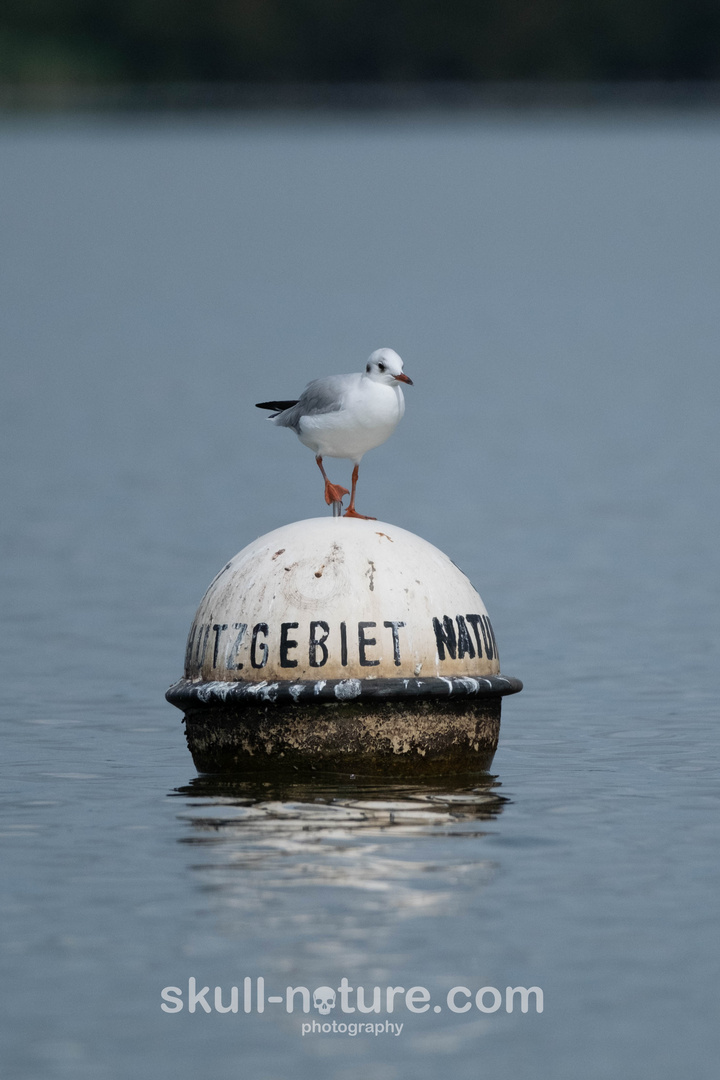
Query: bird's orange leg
[(333, 492), (351, 511)]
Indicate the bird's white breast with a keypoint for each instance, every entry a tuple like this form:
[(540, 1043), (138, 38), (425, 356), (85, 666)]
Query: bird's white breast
[(369, 415)]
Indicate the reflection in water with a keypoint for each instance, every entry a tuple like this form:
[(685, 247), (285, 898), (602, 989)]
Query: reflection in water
[(322, 852)]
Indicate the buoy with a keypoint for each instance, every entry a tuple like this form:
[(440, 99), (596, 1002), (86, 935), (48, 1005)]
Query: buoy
[(345, 645)]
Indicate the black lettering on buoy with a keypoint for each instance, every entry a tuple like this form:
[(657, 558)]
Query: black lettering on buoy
[(189, 648), (464, 643), (318, 643), (287, 644), (445, 637), (395, 626), (203, 650), (363, 643), (198, 644), (487, 640), (199, 648), (231, 654), (488, 636), (492, 635), (474, 620), (259, 628), (343, 644), (218, 628)]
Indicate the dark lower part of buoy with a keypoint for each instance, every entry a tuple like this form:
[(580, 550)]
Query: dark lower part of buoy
[(370, 727), (386, 738)]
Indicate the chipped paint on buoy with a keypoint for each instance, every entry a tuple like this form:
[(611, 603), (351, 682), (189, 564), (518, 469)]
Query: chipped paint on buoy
[(345, 644)]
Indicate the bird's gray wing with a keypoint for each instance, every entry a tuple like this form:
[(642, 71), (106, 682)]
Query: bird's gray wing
[(320, 396)]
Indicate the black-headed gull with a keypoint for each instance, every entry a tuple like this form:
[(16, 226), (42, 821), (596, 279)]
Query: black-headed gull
[(344, 416)]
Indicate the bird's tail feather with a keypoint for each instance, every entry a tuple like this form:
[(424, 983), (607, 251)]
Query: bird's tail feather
[(276, 406)]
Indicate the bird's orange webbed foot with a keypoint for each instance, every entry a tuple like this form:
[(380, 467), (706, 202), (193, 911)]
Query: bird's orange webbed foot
[(334, 493), (352, 512)]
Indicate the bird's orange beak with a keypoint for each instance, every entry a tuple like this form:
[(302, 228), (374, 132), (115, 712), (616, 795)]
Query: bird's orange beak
[(403, 378)]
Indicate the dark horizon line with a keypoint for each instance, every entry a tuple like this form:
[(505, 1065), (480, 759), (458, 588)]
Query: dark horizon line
[(362, 96)]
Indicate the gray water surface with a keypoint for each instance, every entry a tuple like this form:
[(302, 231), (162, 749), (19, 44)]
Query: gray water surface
[(552, 286)]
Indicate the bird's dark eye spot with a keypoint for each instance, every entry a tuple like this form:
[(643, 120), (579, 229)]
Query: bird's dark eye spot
[(367, 368), (381, 367)]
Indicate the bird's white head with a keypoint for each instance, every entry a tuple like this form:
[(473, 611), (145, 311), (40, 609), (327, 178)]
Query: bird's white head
[(385, 366)]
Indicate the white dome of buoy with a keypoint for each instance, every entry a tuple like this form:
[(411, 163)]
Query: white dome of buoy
[(340, 598)]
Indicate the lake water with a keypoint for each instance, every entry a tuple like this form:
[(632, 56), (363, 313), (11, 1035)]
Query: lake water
[(552, 284)]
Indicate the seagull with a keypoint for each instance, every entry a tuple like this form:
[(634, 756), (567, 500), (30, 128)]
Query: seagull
[(344, 416)]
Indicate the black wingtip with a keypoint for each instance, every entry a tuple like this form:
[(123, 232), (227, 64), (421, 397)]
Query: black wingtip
[(276, 406)]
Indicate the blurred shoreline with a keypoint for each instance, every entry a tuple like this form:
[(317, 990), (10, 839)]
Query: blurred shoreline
[(427, 97)]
